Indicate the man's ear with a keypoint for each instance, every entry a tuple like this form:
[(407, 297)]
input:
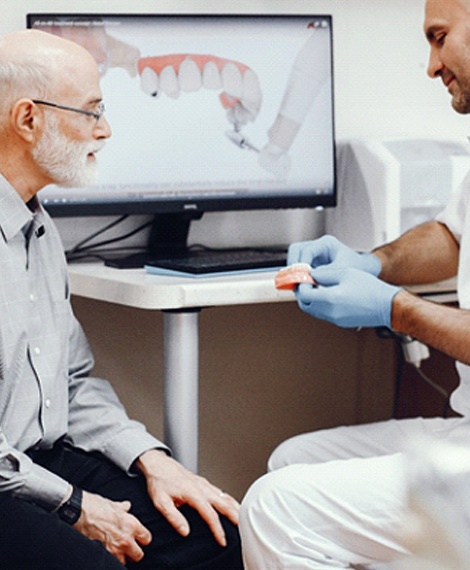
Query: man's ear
[(26, 119)]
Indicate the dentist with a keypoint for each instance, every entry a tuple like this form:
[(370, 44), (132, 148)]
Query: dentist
[(336, 498)]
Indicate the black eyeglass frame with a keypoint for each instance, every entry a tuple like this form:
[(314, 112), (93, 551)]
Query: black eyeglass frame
[(96, 116)]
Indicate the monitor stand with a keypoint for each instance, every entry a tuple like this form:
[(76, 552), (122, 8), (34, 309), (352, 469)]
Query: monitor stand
[(168, 237)]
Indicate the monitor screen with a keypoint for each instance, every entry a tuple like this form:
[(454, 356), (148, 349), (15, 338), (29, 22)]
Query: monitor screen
[(208, 112), (193, 102)]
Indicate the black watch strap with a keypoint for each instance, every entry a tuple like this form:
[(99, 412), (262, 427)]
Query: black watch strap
[(70, 511)]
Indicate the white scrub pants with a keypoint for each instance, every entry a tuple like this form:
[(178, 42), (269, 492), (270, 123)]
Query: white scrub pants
[(335, 498)]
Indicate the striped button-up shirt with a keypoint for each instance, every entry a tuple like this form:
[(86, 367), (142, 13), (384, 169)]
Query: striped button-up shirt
[(46, 391)]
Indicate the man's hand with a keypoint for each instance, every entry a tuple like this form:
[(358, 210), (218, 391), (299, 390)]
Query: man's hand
[(170, 485), (328, 250), (348, 298), (110, 523)]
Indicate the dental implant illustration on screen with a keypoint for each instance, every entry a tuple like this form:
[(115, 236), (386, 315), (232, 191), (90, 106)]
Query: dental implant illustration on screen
[(241, 94), (240, 90)]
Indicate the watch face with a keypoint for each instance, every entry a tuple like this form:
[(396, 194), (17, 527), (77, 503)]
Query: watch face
[(71, 510)]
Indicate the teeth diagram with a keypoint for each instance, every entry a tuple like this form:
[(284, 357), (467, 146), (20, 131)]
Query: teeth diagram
[(240, 92), (241, 96)]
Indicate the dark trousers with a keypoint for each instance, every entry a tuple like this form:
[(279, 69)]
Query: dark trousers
[(33, 539)]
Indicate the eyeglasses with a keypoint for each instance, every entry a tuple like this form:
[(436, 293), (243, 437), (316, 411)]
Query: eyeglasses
[(95, 114)]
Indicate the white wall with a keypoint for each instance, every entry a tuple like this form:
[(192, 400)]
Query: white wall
[(381, 89)]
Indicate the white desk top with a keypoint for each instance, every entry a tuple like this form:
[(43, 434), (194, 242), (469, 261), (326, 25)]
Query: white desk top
[(137, 288)]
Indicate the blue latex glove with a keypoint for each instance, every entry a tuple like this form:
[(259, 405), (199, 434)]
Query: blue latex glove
[(348, 297), (329, 250)]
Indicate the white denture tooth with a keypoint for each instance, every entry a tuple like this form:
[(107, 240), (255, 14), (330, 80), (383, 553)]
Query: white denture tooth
[(169, 82), (189, 75), (211, 77), (251, 94), (149, 81), (232, 80)]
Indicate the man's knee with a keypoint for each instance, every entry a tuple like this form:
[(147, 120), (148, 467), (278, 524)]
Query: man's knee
[(256, 522), (273, 513), (253, 505), (271, 499)]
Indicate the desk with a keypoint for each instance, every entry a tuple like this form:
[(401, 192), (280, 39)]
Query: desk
[(180, 300)]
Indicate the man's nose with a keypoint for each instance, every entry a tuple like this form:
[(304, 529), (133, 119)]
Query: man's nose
[(435, 65), (102, 128)]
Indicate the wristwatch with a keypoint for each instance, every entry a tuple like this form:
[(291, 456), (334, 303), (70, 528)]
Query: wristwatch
[(70, 511)]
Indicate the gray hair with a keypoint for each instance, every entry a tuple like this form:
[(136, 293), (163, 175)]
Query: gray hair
[(25, 77)]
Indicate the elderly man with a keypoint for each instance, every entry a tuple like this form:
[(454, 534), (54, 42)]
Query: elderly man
[(81, 485), (336, 497)]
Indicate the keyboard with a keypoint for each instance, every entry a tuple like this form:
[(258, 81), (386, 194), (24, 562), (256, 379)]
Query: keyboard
[(198, 262)]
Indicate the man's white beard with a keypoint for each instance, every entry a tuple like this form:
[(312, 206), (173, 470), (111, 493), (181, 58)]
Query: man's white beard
[(65, 161)]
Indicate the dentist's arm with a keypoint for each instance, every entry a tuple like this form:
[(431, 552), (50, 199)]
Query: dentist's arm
[(445, 328), (425, 254)]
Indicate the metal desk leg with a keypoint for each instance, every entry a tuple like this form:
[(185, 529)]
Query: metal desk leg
[(181, 378)]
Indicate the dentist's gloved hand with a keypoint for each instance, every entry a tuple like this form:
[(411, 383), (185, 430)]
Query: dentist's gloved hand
[(329, 250), (348, 297)]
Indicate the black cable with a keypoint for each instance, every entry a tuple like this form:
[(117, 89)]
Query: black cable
[(80, 244), (79, 251), (116, 239), (101, 254)]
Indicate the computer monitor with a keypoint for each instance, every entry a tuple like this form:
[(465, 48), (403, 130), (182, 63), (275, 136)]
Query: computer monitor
[(209, 112)]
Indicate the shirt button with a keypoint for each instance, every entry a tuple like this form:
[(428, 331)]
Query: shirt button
[(32, 297), (47, 403), (37, 350)]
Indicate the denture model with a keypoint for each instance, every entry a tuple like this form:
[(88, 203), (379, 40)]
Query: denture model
[(292, 275), (172, 74)]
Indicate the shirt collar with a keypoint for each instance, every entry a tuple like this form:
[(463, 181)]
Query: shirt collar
[(14, 213)]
